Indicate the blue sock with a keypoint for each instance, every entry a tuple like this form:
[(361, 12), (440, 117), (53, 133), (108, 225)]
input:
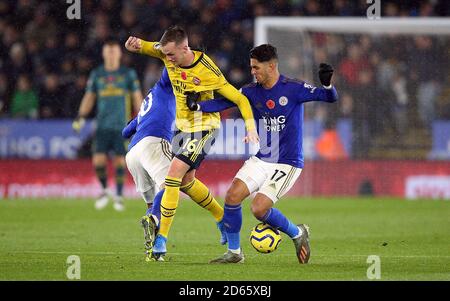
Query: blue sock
[(149, 210), (276, 219), (156, 208), (232, 218)]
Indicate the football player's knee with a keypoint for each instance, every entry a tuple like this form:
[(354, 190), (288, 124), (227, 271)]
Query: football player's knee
[(258, 210), (188, 178), (233, 197)]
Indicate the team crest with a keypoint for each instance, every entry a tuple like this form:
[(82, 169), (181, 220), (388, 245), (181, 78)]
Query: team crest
[(270, 104), (196, 81), (183, 75), (283, 101)]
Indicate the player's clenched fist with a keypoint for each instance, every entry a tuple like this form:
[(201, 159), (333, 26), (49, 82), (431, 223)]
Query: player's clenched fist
[(133, 44), (325, 74), (252, 136)]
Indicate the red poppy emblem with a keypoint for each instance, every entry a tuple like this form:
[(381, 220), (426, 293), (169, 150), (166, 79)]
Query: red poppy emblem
[(270, 104), (183, 75)]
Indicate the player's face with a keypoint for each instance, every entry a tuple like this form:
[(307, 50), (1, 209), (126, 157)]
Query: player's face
[(175, 53), (112, 53), (260, 70)]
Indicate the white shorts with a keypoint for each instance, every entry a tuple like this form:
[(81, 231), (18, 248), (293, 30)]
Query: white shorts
[(271, 179), (148, 162)]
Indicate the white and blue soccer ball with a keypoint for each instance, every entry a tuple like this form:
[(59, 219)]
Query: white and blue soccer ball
[(264, 238)]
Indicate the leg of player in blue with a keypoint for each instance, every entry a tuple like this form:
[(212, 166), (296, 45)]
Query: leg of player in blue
[(232, 219), (233, 222), (156, 208), (262, 209), (159, 247), (150, 220), (277, 220)]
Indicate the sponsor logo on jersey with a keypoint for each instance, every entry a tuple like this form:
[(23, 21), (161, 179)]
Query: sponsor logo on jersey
[(270, 104), (274, 124), (308, 86), (283, 101), (196, 81), (183, 75)]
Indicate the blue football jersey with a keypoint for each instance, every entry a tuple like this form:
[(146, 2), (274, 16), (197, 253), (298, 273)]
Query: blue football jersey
[(279, 115), (156, 115)]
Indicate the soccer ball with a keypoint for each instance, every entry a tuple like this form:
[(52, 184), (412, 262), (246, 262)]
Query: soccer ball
[(264, 238)]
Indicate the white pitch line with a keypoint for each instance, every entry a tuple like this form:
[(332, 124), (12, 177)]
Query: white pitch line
[(212, 254)]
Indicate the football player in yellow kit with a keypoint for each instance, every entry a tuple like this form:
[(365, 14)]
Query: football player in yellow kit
[(191, 73)]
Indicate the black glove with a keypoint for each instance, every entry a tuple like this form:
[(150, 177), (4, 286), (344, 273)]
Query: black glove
[(325, 73), (191, 100)]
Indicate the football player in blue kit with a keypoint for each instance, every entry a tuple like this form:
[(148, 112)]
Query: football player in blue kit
[(149, 156), (277, 104)]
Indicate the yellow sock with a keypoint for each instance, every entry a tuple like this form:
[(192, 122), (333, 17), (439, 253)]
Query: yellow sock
[(169, 204), (201, 195)]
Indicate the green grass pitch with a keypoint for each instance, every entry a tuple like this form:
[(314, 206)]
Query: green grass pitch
[(411, 238)]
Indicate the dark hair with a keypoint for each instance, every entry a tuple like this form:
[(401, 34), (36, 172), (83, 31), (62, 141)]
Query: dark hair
[(264, 53), (173, 34), (110, 41)]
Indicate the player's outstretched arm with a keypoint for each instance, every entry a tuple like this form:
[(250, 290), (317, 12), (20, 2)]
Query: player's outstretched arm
[(328, 93), (209, 106), (310, 93), (215, 105), (133, 44), (232, 94), (87, 103), (137, 45), (325, 74), (130, 129)]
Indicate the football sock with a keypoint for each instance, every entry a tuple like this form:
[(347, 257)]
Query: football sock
[(277, 220), (299, 232), (101, 175), (200, 194), (232, 219), (169, 204), (156, 210), (120, 175), (149, 210)]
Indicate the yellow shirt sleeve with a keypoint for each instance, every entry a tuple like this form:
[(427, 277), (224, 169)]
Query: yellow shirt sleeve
[(151, 49), (232, 94), (210, 75)]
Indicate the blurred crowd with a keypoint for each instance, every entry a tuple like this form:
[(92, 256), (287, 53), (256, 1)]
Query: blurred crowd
[(389, 85), (45, 58)]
